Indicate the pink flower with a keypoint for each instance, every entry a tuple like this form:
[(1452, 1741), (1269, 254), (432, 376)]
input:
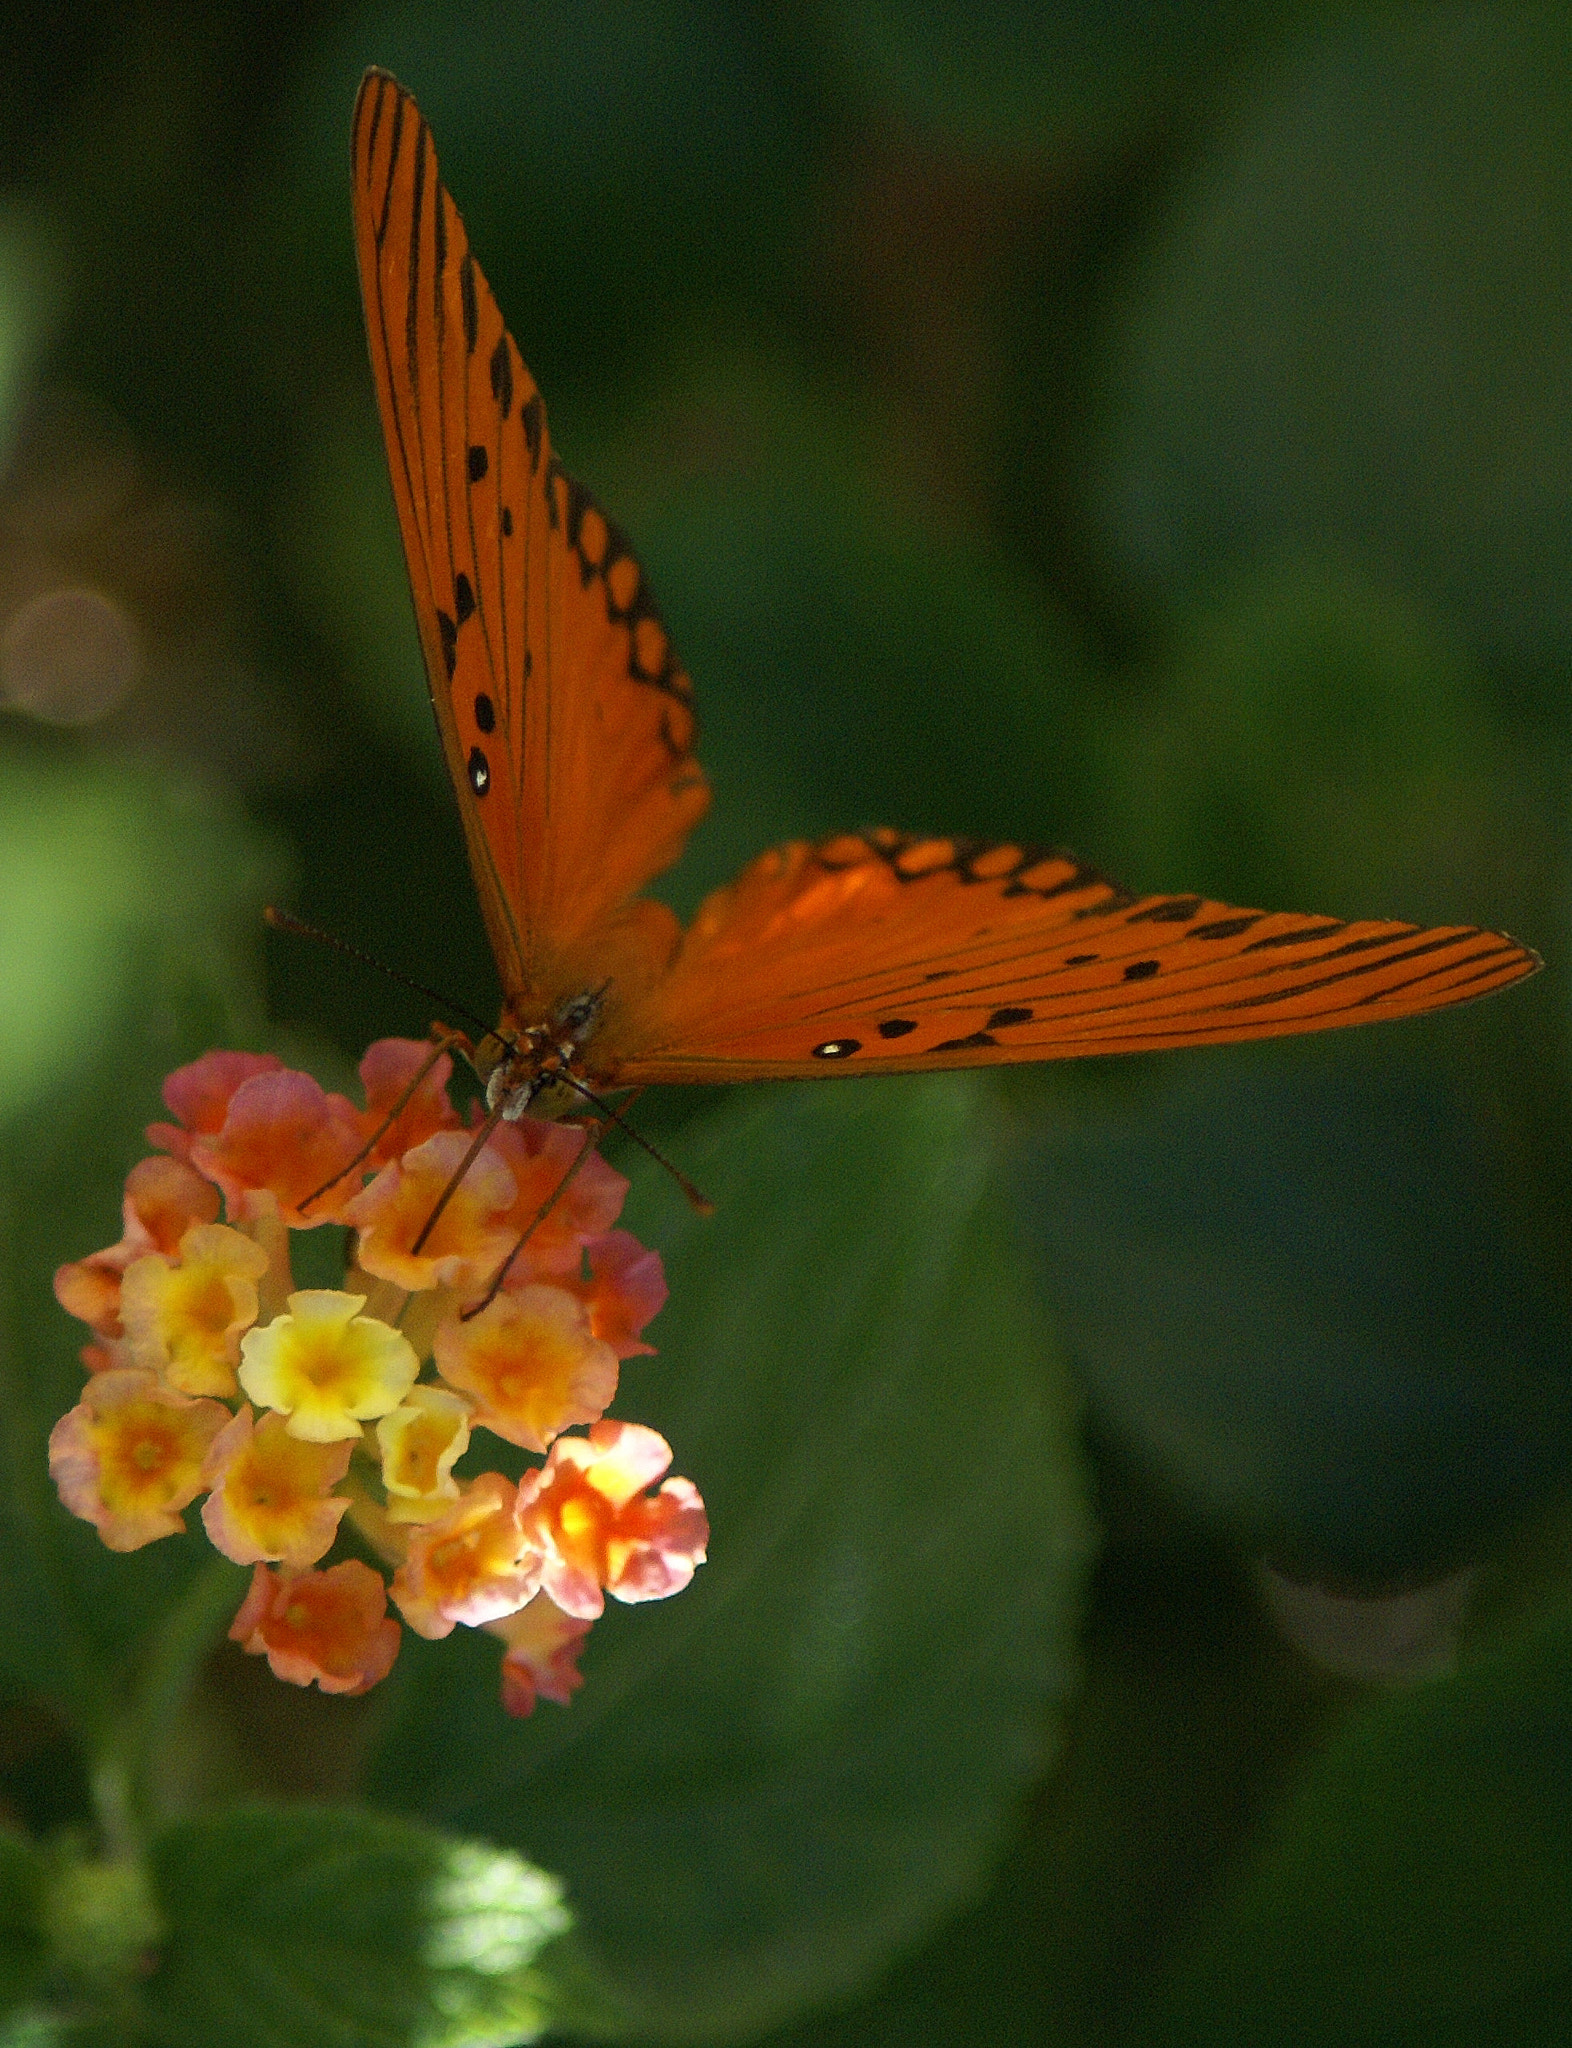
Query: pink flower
[(587, 1511), (199, 1096), (626, 1287), (542, 1659), (283, 1137), (539, 1155), (332, 1627), (386, 1071)]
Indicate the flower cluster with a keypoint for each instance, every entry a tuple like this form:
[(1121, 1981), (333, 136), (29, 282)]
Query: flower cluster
[(211, 1373)]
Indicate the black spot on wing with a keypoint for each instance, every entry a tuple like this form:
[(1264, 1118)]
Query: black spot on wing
[(533, 421), (502, 376), (837, 1048), (507, 523), (485, 713), (896, 1027), (1013, 1013), (479, 463), (463, 600), (447, 633), (1226, 927), (977, 1040), (1172, 910), (478, 769), (1140, 970)]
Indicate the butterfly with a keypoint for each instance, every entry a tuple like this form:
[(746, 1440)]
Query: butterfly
[(568, 727)]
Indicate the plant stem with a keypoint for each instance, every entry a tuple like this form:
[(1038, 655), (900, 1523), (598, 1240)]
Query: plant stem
[(125, 1774)]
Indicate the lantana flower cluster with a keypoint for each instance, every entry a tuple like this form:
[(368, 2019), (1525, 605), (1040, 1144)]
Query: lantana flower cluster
[(211, 1374)]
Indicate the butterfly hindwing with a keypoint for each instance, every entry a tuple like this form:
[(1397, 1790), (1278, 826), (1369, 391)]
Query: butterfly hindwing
[(566, 721), (885, 953)]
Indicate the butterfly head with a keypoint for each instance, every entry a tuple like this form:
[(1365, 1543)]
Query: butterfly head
[(522, 1066)]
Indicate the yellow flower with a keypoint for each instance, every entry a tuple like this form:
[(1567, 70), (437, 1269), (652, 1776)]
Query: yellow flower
[(183, 1317), (327, 1367), (421, 1441), (129, 1456), (270, 1501)]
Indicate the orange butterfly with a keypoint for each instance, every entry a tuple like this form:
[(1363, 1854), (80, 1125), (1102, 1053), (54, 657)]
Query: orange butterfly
[(568, 728)]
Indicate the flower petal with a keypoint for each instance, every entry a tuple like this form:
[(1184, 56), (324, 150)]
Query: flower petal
[(326, 1366), (598, 1530), (531, 1363), (386, 1071), (469, 1240), (542, 1655), (420, 1442), (332, 1627), (283, 1136), (183, 1317), (130, 1455), (269, 1501), (473, 1565)]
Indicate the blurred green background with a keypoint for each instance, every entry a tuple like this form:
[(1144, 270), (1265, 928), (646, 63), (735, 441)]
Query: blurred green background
[(1138, 1607)]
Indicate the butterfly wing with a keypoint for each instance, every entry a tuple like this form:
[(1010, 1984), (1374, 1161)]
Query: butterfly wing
[(566, 722), (888, 954)]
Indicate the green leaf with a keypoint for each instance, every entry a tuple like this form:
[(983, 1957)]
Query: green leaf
[(773, 1783), (1299, 695), (22, 1945), (1350, 333), (129, 936), (339, 1927), (1008, 77), (1418, 1880)]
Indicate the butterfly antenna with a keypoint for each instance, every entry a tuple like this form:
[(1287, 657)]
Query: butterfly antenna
[(701, 1203), (281, 921), (580, 1158)]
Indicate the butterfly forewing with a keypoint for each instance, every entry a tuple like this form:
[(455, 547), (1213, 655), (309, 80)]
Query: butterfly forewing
[(568, 730), (892, 954), (565, 719)]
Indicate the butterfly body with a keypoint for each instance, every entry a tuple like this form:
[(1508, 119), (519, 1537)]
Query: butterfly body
[(568, 728)]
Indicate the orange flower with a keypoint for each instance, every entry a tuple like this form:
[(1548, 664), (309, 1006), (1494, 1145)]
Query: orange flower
[(386, 1071), (542, 1655), (330, 1626), (268, 1502), (474, 1565), (129, 1456), (587, 1511), (531, 1363), (326, 1366), (472, 1236), (184, 1318), (282, 1137), (421, 1441), (163, 1198)]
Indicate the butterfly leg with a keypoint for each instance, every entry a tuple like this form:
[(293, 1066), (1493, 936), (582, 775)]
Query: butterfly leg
[(580, 1158), (440, 1045)]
